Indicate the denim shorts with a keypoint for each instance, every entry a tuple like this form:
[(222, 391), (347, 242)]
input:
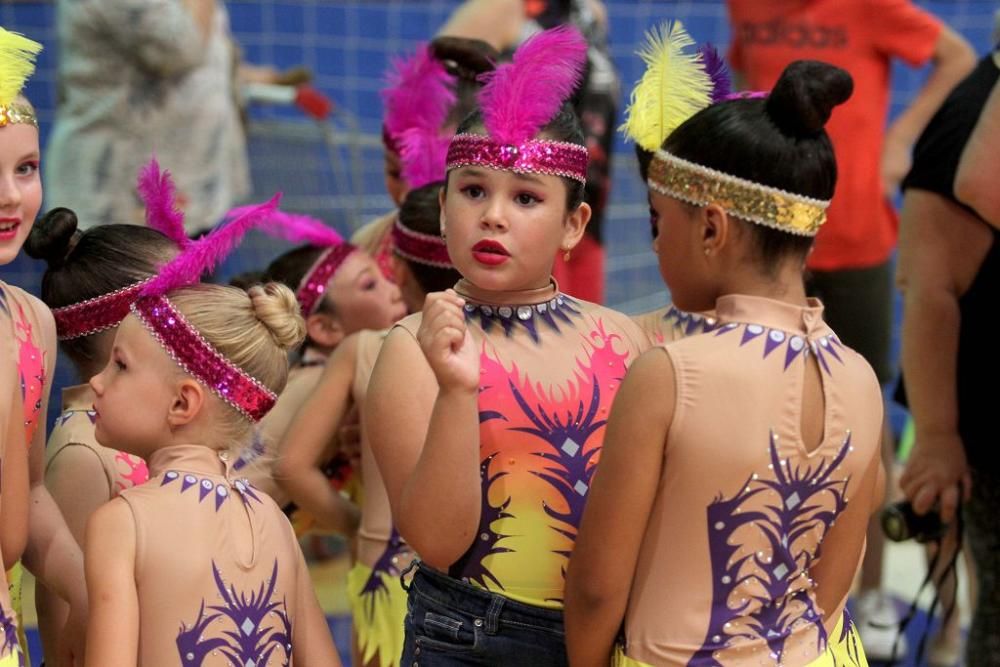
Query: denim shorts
[(450, 622)]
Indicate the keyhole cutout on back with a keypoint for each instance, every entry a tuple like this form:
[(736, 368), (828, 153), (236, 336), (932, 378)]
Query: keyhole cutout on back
[(812, 416)]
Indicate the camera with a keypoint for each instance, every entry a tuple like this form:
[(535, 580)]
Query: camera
[(900, 523)]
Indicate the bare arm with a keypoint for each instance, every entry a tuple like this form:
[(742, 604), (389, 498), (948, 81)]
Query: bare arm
[(298, 469), (113, 633), (953, 59), (941, 247), (78, 484), (496, 22), (311, 641), (604, 559), (976, 181), (424, 431)]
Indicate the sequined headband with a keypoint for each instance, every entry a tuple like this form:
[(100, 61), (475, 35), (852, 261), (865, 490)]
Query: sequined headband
[(692, 183), (12, 114), (535, 156), (189, 349), (313, 285), (421, 248), (97, 314)]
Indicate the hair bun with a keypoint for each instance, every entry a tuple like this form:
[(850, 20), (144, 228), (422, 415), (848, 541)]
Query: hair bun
[(805, 94), (53, 237), (276, 308), (464, 57)]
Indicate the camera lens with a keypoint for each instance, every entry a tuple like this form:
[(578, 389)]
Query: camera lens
[(894, 524)]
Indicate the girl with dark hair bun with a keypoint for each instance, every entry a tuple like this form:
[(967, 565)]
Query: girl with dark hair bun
[(747, 458), (87, 284)]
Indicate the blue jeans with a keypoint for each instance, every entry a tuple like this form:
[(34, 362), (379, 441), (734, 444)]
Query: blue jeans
[(450, 622)]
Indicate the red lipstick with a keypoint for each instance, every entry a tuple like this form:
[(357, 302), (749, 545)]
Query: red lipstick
[(8, 228), (490, 253)]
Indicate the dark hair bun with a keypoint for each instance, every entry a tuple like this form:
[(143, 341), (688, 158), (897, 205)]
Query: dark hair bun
[(53, 237), (465, 58), (805, 94)]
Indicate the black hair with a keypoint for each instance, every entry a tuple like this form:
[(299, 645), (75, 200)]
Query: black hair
[(778, 141), (564, 126), (644, 158), (87, 264), (290, 268), (466, 59), (247, 279), (421, 212)]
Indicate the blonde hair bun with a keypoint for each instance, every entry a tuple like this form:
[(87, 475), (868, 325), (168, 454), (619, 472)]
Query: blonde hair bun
[(276, 307)]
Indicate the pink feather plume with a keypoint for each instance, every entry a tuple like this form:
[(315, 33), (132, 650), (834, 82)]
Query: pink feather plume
[(158, 192), (519, 98), (295, 227), (424, 154), (420, 93), (207, 252)]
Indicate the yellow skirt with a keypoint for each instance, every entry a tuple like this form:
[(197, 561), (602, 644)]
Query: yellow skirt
[(378, 608), (844, 651), (14, 577), (15, 659)]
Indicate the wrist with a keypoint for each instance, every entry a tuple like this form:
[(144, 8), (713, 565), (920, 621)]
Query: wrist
[(457, 392)]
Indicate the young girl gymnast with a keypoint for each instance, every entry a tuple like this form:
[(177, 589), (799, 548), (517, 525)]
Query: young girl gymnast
[(423, 266), (740, 467), (197, 567), (91, 280), (30, 522), (340, 290), (486, 411)]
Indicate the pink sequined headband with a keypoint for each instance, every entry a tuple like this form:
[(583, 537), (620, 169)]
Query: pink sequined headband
[(535, 156), (421, 248), (199, 358), (97, 314), (313, 285)]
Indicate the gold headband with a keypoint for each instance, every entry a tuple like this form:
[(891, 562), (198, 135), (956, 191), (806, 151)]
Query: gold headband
[(692, 183), (17, 113)]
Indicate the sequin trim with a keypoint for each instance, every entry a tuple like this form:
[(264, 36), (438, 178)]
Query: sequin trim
[(313, 284), (560, 308), (197, 357), (14, 114), (554, 158), (421, 248), (97, 314), (771, 207)]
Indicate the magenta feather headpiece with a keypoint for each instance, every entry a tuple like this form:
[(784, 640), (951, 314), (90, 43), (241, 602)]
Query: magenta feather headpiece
[(180, 339), (100, 313), (419, 94), (424, 155), (158, 192), (518, 99), (305, 229)]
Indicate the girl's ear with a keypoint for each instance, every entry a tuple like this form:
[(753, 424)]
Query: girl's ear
[(324, 329), (575, 225), (716, 229), (189, 397)]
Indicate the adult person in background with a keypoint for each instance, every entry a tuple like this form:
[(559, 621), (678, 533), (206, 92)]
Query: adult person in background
[(506, 23), (976, 181), (851, 264), (949, 271), (138, 77)]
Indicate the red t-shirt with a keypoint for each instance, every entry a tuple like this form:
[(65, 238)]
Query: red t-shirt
[(860, 36)]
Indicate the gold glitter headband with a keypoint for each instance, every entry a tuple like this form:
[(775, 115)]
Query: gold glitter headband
[(17, 113), (692, 183)]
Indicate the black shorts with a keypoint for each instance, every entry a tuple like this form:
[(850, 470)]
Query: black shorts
[(858, 307)]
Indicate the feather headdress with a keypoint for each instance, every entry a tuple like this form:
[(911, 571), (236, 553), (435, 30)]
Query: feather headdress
[(419, 93), (674, 86), (518, 98), (157, 190), (17, 63), (718, 72)]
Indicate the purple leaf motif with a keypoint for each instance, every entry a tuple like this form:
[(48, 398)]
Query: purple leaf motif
[(250, 635), (384, 566), (9, 639), (766, 595), (470, 566)]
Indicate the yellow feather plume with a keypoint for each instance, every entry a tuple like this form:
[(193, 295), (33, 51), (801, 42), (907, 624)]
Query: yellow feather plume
[(17, 63), (674, 86)]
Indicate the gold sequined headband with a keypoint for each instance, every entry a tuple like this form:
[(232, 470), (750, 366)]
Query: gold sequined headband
[(692, 183), (13, 114)]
